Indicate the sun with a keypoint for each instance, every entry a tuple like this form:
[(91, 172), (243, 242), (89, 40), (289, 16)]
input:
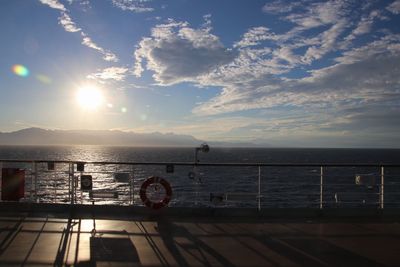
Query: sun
[(89, 97)]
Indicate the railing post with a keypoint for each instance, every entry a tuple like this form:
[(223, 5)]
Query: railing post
[(132, 186), (35, 175), (1, 177), (259, 187), (71, 182), (382, 195), (196, 200), (31, 192), (55, 189), (321, 188)]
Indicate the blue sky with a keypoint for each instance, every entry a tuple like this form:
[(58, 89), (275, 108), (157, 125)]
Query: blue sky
[(285, 73)]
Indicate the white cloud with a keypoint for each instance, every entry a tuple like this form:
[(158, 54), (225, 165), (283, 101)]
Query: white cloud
[(327, 42), (207, 22), (294, 129), (254, 36), (365, 75), (388, 44), (286, 53), (67, 23), (394, 7), (107, 55), (112, 73), (54, 4), (64, 20), (83, 4), (176, 53), (280, 6), (159, 50), (70, 26), (364, 26), (132, 5), (318, 14), (89, 43), (252, 74), (329, 18)]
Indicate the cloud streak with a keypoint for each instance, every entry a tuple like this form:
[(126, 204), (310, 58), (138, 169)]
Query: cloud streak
[(136, 6), (69, 25), (54, 4), (112, 73)]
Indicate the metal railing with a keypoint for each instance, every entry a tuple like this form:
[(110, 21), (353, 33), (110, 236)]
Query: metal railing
[(258, 185)]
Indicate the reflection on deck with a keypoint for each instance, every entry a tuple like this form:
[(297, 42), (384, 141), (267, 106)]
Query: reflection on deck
[(200, 241)]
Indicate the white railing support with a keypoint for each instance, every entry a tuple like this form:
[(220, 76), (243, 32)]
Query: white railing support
[(259, 188), (35, 178), (71, 183), (132, 186), (382, 191), (321, 188)]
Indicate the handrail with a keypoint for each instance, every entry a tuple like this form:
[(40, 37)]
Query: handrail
[(216, 164), (324, 173)]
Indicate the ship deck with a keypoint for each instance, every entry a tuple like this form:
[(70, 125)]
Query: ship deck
[(30, 237)]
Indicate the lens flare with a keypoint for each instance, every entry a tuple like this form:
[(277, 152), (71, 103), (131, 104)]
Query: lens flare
[(43, 79), (20, 70)]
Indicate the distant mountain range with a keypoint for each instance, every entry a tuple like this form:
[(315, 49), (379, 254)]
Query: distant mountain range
[(38, 136)]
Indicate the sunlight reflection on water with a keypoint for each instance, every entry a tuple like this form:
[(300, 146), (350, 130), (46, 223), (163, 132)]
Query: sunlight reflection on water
[(281, 187)]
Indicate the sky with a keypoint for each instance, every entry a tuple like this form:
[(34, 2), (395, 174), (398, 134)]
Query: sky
[(283, 73)]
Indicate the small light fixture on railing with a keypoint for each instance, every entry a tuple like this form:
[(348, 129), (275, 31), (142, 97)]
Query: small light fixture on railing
[(203, 148)]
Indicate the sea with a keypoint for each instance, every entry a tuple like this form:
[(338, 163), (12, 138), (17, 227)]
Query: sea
[(212, 186)]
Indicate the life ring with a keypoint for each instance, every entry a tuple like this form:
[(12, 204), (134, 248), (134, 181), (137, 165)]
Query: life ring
[(161, 203)]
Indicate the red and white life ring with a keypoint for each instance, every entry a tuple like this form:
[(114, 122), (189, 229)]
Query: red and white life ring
[(147, 201)]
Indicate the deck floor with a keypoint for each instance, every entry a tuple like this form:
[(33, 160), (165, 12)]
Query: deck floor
[(58, 241)]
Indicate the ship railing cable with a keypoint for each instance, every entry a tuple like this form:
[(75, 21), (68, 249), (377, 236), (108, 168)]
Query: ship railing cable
[(258, 185)]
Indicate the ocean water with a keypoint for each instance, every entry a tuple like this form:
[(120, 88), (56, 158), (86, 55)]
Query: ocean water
[(216, 186), (165, 154)]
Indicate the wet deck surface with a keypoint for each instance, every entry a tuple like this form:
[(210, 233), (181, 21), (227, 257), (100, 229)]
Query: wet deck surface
[(51, 241)]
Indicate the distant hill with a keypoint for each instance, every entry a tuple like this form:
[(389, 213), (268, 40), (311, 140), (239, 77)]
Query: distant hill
[(38, 136)]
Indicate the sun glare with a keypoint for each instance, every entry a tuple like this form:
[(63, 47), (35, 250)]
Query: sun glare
[(89, 97)]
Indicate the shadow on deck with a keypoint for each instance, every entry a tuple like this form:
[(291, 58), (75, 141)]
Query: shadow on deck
[(63, 240)]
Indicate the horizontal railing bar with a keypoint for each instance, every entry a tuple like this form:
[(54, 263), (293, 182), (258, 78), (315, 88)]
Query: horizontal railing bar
[(228, 164), (288, 193)]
